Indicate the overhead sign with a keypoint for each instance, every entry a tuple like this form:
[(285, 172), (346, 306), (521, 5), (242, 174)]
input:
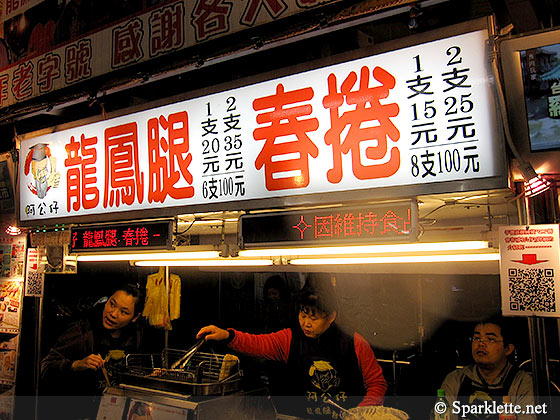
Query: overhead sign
[(137, 236), (11, 8), (372, 224), (529, 270), (173, 26), (417, 116)]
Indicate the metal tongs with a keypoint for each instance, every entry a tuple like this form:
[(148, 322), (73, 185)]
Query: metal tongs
[(182, 362)]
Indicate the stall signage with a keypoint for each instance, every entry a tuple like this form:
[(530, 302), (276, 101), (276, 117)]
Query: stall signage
[(529, 270), (121, 237), (412, 117), (371, 224)]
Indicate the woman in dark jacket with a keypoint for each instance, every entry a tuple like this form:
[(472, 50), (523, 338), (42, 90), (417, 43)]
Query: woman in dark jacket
[(73, 366)]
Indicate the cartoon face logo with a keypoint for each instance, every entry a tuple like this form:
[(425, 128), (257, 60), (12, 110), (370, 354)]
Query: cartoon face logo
[(43, 168), (323, 376), (477, 398)]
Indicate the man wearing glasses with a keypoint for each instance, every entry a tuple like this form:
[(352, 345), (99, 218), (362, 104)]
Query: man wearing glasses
[(482, 389)]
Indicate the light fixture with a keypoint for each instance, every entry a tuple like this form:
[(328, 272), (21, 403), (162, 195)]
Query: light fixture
[(151, 256), (222, 262), (367, 249), (13, 230), (536, 186), (397, 259), (534, 183)]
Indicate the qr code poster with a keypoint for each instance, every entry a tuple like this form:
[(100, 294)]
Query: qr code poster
[(529, 267), (35, 276)]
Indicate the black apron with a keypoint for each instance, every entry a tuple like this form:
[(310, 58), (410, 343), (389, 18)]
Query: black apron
[(322, 369)]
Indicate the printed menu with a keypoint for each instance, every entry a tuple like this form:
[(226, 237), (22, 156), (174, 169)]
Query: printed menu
[(12, 256), (10, 305)]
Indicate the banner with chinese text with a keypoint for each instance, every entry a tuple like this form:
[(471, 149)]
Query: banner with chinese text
[(394, 221), (52, 47), (416, 116), (11, 8)]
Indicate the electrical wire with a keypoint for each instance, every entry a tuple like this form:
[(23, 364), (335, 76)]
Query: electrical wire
[(493, 56), (184, 231)]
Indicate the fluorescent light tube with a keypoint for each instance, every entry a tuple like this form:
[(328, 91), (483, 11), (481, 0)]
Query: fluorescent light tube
[(367, 249), (397, 259), (205, 263)]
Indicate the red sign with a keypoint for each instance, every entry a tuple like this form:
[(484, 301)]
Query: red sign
[(374, 223), (136, 236)]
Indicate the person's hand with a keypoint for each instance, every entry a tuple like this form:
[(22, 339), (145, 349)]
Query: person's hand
[(93, 361), (211, 332)]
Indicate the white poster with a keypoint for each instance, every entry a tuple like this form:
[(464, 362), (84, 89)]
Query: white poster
[(8, 358), (529, 268), (144, 410), (111, 407), (416, 116)]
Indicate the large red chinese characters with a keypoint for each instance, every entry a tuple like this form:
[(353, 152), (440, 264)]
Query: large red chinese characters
[(123, 180), (81, 176), (367, 120), (169, 158), (286, 160), (211, 17)]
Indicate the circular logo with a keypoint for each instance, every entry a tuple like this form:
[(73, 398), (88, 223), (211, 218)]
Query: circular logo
[(440, 407)]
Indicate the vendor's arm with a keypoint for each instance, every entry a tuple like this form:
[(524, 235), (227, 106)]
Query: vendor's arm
[(70, 353), (93, 361), (374, 382), (274, 346)]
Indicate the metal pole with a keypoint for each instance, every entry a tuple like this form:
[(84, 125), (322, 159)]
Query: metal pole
[(539, 209), (166, 333), (420, 314), (539, 357), (39, 319)]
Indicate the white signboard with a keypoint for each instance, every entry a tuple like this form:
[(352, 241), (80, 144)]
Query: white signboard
[(529, 267), (416, 116)]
